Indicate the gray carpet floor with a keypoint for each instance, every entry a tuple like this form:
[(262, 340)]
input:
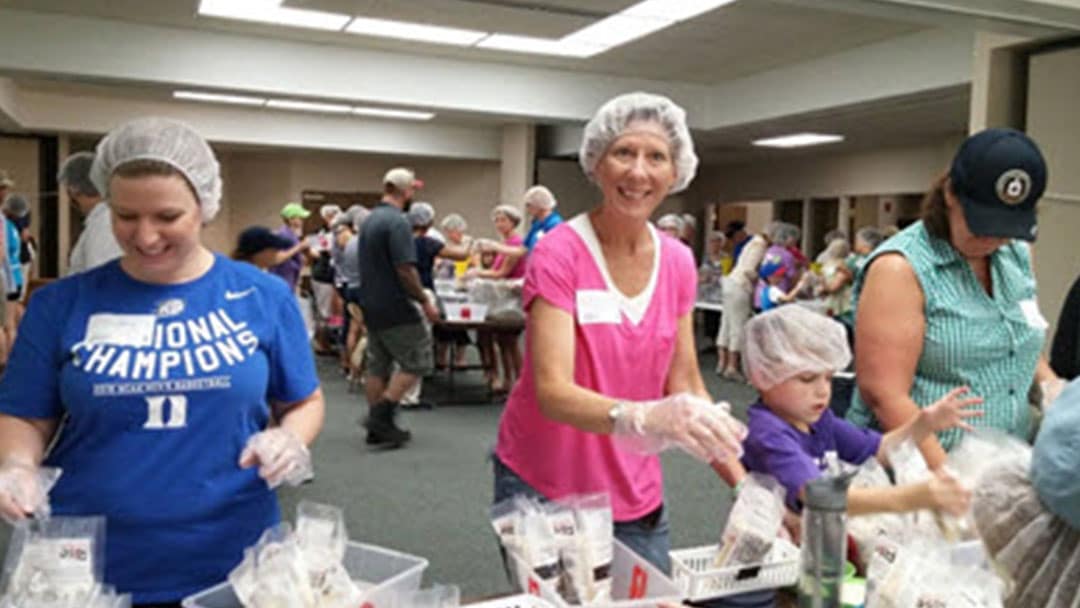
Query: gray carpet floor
[(431, 498)]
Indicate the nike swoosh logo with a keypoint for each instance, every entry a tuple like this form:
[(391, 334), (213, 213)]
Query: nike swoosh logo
[(236, 295)]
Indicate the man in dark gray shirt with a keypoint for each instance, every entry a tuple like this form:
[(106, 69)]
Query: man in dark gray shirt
[(393, 301)]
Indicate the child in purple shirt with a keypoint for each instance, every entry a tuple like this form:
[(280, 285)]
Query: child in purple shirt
[(790, 356)]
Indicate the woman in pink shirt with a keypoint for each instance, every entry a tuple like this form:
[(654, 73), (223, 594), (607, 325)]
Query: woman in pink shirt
[(611, 374), (509, 264)]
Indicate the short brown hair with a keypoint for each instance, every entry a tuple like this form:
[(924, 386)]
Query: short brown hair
[(935, 213), (146, 167)]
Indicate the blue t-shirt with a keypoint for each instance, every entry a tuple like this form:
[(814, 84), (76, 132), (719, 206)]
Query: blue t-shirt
[(162, 386), (540, 228), (14, 246), (775, 447)]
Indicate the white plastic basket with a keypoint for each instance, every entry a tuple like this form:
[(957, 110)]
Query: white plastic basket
[(388, 572), (465, 311), (513, 601), (635, 583), (699, 579)]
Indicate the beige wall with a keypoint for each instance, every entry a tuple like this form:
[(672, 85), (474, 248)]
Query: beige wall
[(259, 182), (1053, 88)]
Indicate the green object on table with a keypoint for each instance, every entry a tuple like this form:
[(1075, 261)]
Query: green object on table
[(849, 571), (853, 592)]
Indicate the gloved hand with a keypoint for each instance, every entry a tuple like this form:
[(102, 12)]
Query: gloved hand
[(1050, 390), (280, 455), (704, 430), (24, 491)]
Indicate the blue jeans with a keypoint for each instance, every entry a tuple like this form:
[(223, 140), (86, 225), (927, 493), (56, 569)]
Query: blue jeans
[(648, 536)]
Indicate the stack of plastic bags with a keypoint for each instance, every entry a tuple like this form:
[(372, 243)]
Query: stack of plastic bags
[(501, 296), (567, 544), (753, 523), (58, 562), (921, 573), (301, 569)]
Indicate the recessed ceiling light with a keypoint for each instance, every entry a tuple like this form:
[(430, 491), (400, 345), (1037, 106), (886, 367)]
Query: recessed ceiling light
[(673, 10), (387, 113), (437, 34), (539, 46), (271, 11), (308, 106), (798, 140), (242, 100)]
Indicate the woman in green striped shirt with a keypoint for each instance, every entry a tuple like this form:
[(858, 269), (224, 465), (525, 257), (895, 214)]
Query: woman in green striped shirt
[(951, 301)]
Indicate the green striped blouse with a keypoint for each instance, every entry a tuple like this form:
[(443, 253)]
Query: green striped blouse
[(972, 339)]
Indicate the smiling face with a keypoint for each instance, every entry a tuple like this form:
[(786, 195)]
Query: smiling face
[(801, 399), (503, 224), (637, 171), (969, 245), (157, 222)]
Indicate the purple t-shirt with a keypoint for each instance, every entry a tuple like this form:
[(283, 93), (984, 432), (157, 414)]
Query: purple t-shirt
[(774, 447), (290, 268)]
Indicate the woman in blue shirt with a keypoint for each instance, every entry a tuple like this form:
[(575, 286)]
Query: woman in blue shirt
[(183, 377)]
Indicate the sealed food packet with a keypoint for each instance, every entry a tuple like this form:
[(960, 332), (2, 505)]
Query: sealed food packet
[(753, 523), (320, 530), (58, 560), (597, 534), (539, 546), (273, 573), (574, 582)]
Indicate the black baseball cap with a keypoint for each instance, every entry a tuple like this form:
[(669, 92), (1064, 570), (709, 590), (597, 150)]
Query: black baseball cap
[(999, 175), (257, 238), (734, 226)]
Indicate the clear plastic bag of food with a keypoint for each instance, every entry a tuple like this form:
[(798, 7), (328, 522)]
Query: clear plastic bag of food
[(273, 573), (60, 560), (597, 538), (753, 523), (320, 530)]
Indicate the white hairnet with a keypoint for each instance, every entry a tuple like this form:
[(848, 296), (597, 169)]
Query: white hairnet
[(167, 141), (421, 214), (838, 249), (671, 221), (614, 118), (540, 196), (509, 211), (75, 174), (454, 221), (871, 236), (781, 232), (16, 205), (689, 220), (352, 217), (328, 211), (790, 340)]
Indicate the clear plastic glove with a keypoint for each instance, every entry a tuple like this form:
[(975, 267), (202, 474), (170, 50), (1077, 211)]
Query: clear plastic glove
[(24, 491), (280, 456), (1050, 390), (704, 430)]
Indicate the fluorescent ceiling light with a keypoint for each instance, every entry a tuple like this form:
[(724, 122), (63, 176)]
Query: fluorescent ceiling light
[(798, 140), (271, 11), (387, 113), (616, 30), (388, 28), (308, 106), (672, 10), (242, 100), (539, 46)]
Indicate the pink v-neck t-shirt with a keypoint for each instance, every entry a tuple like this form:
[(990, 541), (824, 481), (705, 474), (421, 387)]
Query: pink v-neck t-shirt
[(624, 354)]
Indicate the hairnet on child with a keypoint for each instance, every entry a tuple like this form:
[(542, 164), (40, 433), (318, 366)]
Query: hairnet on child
[(421, 214), (75, 174), (164, 140), (615, 118), (790, 340)]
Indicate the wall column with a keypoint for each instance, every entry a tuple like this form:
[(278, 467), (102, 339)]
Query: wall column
[(807, 225), (518, 162), (843, 216)]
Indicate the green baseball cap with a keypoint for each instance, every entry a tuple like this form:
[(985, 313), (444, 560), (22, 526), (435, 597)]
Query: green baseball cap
[(294, 210)]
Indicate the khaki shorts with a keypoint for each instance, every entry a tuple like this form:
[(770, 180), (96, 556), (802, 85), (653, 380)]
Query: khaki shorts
[(409, 346)]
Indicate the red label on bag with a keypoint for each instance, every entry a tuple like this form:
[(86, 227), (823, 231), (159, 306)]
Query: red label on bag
[(534, 587), (639, 583)]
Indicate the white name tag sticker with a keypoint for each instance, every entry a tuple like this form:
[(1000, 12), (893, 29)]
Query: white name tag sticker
[(597, 306), (120, 330), (1032, 314)]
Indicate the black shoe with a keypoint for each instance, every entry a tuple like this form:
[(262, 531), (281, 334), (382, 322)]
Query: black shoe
[(382, 428), (419, 405)]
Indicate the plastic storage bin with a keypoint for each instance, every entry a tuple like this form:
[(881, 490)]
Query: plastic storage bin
[(465, 311), (635, 583), (699, 579), (388, 572)]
